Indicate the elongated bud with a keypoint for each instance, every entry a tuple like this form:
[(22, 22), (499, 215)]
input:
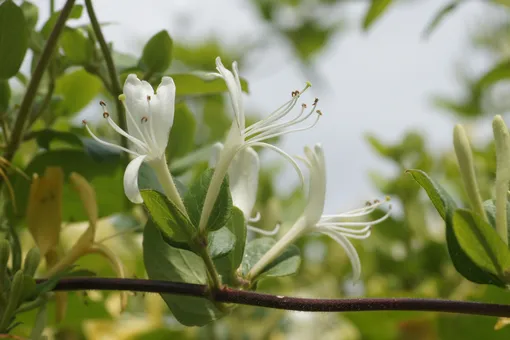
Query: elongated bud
[(13, 301), (467, 169), (32, 261), (502, 139)]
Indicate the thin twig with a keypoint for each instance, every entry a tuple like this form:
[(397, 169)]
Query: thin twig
[(28, 99), (110, 65), (284, 302)]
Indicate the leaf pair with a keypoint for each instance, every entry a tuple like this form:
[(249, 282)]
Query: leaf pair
[(476, 250)]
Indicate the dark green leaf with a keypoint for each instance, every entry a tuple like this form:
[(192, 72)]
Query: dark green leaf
[(439, 17), (182, 134), (445, 206), (376, 9), (45, 137), (77, 47), (285, 264), (13, 39), (157, 53), (164, 262), (77, 89), (443, 202), (169, 219), (482, 243), (193, 85), (76, 12), (5, 95), (31, 13), (147, 179), (195, 197), (220, 242)]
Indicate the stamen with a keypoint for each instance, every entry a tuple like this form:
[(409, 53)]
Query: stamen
[(264, 232), (265, 136), (355, 224), (106, 114), (282, 153), (107, 143), (133, 139), (144, 119), (122, 98)]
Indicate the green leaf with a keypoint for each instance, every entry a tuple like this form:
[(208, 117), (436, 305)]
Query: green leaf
[(77, 47), (228, 265), (13, 39), (5, 95), (193, 85), (77, 89), (45, 137), (169, 219), (443, 202), (157, 53), (40, 323), (195, 197), (31, 13), (445, 206), (482, 243), (220, 242), (439, 17), (76, 12), (285, 264), (376, 9), (164, 262), (490, 209), (182, 134)]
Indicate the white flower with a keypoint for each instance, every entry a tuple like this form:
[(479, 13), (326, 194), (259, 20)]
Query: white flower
[(150, 117), (243, 175), (337, 226), (241, 137)]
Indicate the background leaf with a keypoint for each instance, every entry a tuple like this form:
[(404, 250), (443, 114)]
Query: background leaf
[(375, 10), (13, 39), (182, 134), (157, 53)]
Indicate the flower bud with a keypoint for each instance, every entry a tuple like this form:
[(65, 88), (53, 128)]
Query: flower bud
[(32, 261), (14, 298)]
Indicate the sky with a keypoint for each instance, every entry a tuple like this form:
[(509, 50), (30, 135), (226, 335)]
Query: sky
[(379, 82)]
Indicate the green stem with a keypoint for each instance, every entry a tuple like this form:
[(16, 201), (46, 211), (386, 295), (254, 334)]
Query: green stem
[(28, 99), (110, 65), (215, 283), (166, 180)]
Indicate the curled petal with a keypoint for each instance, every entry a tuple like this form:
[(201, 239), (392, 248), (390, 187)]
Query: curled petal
[(131, 180), (317, 192), (234, 88), (215, 151), (162, 111), (349, 249)]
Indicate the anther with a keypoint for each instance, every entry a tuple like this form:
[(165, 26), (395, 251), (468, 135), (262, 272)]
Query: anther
[(84, 122), (106, 114), (303, 106), (148, 98), (315, 101), (102, 103), (144, 119), (319, 112)]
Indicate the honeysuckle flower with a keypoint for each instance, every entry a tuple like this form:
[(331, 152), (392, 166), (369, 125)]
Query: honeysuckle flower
[(150, 117), (339, 227), (241, 137), (243, 174)]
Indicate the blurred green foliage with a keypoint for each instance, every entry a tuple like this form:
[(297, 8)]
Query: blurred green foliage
[(408, 258)]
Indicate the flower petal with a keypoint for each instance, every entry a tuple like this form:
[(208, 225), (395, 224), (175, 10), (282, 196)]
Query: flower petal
[(131, 180), (317, 191), (244, 179), (215, 151), (234, 88), (349, 249), (136, 92), (162, 111)]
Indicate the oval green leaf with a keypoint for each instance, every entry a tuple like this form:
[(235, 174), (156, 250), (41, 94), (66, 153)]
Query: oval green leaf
[(13, 39), (157, 53)]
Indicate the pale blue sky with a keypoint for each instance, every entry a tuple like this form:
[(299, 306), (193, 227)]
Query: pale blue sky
[(379, 82)]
